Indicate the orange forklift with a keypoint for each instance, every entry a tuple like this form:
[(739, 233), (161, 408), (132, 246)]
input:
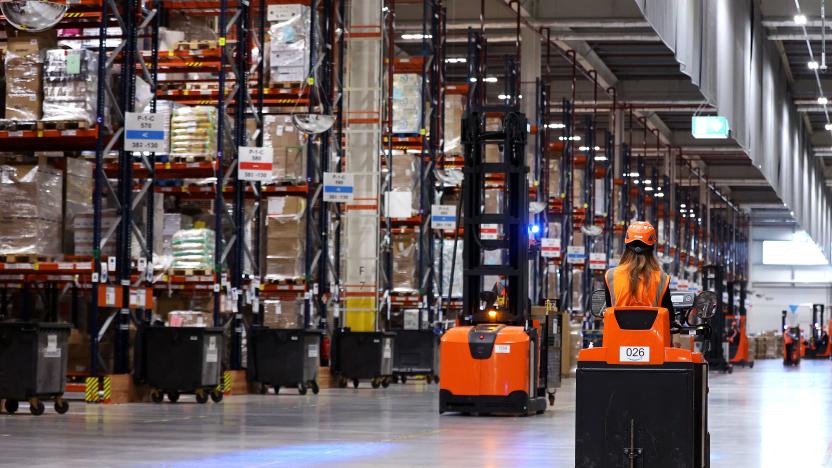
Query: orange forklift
[(819, 346), (640, 401), (735, 334), (490, 361), (793, 347)]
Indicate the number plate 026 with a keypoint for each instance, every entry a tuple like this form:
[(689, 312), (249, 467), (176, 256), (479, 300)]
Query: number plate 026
[(634, 354)]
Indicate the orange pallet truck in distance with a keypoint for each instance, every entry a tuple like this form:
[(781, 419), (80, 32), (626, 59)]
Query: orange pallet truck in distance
[(819, 345), (640, 401), (736, 333), (490, 362), (792, 342)]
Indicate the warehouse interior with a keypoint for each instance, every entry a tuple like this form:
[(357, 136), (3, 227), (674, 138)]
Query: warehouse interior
[(403, 232)]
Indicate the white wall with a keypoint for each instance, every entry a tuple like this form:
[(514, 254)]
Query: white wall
[(775, 287)]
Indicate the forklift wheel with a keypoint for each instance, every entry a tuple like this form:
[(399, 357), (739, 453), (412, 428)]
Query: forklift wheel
[(314, 386), (551, 399), (61, 405), (428, 378), (540, 411), (385, 382), (403, 379), (354, 383), (11, 406), (302, 389), (751, 365), (730, 370), (216, 395), (276, 389), (157, 396), (201, 396), (376, 382), (173, 396), (36, 407), (436, 379)]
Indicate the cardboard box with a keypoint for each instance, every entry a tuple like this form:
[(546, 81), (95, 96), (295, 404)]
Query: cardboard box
[(283, 314), (23, 106), (404, 261)]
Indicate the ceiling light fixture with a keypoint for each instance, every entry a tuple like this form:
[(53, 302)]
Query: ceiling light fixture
[(800, 20), (823, 100), (828, 127), (813, 65)]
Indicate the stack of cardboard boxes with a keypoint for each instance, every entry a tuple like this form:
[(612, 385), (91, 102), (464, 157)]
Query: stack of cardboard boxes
[(407, 103), (24, 74), (289, 47), (30, 222), (280, 134), (283, 314), (285, 238)]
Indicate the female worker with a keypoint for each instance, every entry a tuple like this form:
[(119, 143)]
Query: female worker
[(638, 280)]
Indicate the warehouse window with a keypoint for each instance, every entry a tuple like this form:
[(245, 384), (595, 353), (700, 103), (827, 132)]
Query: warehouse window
[(801, 250)]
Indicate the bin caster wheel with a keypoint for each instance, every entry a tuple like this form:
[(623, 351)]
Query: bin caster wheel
[(262, 389), (302, 389), (11, 406), (314, 386), (385, 382), (61, 406), (376, 383), (36, 407), (751, 366), (201, 397), (429, 378), (396, 379), (404, 379), (216, 396), (436, 379), (551, 399), (156, 396), (342, 383), (276, 389), (354, 383), (173, 396)]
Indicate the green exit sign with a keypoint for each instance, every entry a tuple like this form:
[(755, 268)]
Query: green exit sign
[(710, 127)]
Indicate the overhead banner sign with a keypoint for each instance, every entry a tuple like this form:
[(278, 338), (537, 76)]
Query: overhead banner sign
[(443, 217), (145, 132), (710, 127), (339, 187), (256, 163)]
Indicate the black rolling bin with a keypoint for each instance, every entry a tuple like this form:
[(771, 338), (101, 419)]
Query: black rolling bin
[(180, 360), (362, 356), (284, 358), (33, 360), (415, 353)]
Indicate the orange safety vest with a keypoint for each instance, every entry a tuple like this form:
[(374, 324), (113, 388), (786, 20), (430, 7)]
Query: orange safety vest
[(649, 293)]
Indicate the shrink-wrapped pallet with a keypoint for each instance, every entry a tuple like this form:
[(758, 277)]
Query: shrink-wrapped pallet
[(70, 85), (193, 249), (30, 222), (288, 57), (285, 238), (407, 103), (283, 314), (404, 248), (454, 109), (289, 158), (193, 133)]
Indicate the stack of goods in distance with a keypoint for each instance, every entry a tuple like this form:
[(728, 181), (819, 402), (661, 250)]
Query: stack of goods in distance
[(23, 62), (289, 47), (407, 103), (70, 85), (280, 134), (31, 221), (193, 133), (285, 235), (188, 318), (193, 249)]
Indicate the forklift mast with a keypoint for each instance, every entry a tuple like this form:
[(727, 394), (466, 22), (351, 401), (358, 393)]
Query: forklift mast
[(511, 220), (817, 320), (713, 279)]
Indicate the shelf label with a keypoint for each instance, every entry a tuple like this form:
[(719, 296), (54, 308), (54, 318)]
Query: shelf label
[(256, 163), (339, 187), (597, 261), (550, 248), (576, 255), (488, 232), (443, 217), (145, 132)]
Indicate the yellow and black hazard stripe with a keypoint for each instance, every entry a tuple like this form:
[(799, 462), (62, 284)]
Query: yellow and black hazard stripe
[(226, 382), (107, 384), (91, 390), (193, 64)]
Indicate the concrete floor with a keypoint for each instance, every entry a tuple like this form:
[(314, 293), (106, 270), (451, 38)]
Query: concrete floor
[(767, 416)]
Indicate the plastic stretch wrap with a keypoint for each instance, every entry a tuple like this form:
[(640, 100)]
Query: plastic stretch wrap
[(193, 28), (283, 314), (193, 132), (404, 178), (289, 48), (404, 261), (285, 239), (454, 109), (79, 185), (407, 102), (70, 85), (289, 163), (23, 80), (443, 265), (30, 222), (193, 248), (188, 318), (165, 109)]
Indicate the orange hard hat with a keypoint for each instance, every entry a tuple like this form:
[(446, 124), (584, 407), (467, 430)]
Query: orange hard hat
[(641, 231)]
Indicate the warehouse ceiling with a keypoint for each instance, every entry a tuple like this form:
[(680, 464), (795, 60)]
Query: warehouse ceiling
[(612, 37)]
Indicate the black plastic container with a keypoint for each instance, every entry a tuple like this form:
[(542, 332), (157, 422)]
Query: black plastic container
[(284, 358), (33, 360), (416, 353), (363, 355), (183, 360)]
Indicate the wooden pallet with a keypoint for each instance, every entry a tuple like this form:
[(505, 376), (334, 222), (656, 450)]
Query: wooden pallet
[(284, 281), (192, 271), (25, 258), (196, 45), (18, 125), (64, 124)]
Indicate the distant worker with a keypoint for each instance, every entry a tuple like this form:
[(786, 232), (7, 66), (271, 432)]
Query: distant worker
[(638, 280)]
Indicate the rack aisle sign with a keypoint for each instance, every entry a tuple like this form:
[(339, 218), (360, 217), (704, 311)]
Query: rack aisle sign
[(256, 163), (575, 255), (339, 187), (443, 217), (597, 261), (549, 248), (145, 132)]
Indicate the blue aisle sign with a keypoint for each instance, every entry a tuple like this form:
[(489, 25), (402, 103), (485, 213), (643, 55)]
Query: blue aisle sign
[(443, 217), (145, 132), (339, 187), (710, 127)]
